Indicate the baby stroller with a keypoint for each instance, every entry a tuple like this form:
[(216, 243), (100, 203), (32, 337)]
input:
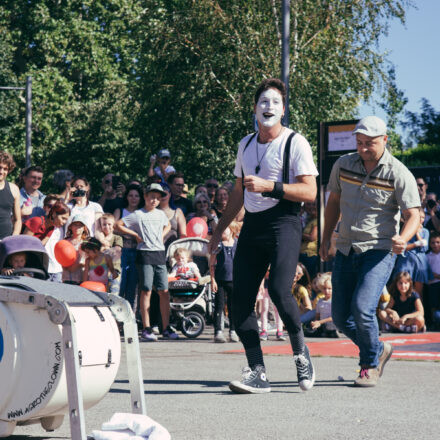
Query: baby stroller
[(37, 259), (191, 302)]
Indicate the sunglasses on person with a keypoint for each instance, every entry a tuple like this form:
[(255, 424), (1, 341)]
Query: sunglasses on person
[(421, 185), (180, 185), (211, 185), (202, 202)]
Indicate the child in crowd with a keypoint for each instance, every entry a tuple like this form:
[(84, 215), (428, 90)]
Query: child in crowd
[(149, 226), (414, 260), (323, 322), (98, 265), (434, 284), (111, 246), (15, 261), (301, 290), (76, 233), (184, 268), (264, 298), (220, 267), (404, 312)]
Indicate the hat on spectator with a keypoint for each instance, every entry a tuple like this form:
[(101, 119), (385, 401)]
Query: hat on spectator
[(371, 126), (156, 187), (164, 153), (79, 218)]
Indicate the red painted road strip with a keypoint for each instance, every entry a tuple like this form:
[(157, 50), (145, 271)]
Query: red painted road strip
[(345, 348)]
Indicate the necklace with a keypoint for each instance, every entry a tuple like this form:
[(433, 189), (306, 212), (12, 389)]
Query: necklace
[(258, 167)]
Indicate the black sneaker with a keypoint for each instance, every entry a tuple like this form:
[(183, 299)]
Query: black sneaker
[(305, 370), (252, 382)]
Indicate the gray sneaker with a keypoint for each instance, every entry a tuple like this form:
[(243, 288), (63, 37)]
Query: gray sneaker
[(368, 377), (148, 335), (233, 337), (384, 357), (219, 337), (305, 370), (252, 382)]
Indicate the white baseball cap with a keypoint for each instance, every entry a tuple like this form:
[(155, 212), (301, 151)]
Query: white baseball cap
[(371, 126)]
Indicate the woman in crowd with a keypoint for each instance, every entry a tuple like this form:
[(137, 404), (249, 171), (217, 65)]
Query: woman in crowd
[(132, 200), (202, 209), (175, 216), (80, 203), (61, 180), (220, 201)]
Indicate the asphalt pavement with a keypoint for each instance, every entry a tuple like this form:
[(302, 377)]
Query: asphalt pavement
[(186, 390)]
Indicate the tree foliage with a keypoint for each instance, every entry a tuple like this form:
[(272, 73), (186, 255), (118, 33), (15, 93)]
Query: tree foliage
[(115, 80)]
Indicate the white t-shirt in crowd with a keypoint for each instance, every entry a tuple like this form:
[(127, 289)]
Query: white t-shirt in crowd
[(88, 212), (57, 235), (269, 157), (324, 308), (149, 225)]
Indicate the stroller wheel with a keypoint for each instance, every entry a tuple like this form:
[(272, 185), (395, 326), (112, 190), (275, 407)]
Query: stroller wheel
[(193, 324)]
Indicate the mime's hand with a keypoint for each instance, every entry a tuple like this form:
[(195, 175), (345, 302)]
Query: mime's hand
[(257, 184)]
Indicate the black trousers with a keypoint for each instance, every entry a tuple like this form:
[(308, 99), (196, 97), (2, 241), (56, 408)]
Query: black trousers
[(268, 238)]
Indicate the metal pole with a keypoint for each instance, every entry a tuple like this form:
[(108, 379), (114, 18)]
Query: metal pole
[(28, 120), (285, 55)]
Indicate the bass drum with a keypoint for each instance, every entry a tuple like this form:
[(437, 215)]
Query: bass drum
[(32, 370)]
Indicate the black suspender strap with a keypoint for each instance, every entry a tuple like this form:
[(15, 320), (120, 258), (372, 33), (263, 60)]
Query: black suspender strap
[(286, 158)]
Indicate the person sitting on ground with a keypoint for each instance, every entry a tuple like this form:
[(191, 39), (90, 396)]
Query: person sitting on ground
[(164, 167), (77, 232), (405, 310), (111, 246), (98, 265), (323, 325), (301, 289), (31, 198), (308, 254), (184, 268), (14, 262), (414, 260), (434, 284)]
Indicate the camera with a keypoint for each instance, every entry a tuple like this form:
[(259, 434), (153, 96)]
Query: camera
[(431, 203), (116, 180), (79, 193)]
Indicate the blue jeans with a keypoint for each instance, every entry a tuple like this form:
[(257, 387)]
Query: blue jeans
[(358, 280), (129, 276)]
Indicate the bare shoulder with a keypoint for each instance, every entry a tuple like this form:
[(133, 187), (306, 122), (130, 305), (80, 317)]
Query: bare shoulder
[(14, 189)]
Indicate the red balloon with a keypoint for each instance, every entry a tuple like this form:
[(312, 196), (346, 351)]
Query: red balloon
[(197, 227), (96, 286), (65, 253)]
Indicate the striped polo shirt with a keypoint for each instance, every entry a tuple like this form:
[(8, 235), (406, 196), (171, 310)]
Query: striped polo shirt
[(371, 202)]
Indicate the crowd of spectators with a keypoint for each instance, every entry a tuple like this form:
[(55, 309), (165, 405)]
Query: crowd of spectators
[(90, 224)]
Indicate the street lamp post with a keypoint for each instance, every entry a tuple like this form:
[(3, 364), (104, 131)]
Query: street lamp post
[(285, 54)]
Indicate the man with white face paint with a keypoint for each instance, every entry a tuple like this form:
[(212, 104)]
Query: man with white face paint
[(275, 174)]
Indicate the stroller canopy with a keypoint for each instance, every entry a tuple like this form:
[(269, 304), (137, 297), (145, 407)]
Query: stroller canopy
[(36, 253)]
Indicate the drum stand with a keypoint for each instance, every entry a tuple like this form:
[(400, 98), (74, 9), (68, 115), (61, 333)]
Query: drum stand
[(60, 314)]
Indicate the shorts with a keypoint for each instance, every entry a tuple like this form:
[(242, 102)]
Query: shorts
[(152, 275)]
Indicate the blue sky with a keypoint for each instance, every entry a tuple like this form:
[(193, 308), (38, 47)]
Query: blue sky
[(414, 50)]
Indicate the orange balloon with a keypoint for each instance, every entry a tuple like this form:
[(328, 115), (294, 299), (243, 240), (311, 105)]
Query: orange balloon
[(96, 286), (65, 253), (197, 227)]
